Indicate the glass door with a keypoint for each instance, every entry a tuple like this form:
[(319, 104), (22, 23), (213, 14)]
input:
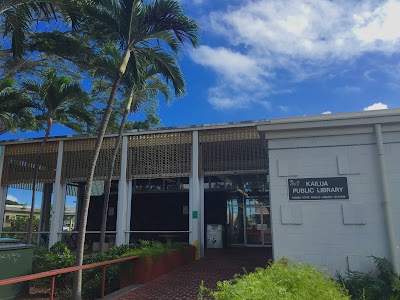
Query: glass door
[(253, 230), (235, 234), (258, 229)]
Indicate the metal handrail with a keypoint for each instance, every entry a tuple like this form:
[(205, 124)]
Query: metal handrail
[(157, 231), (54, 273), (93, 231)]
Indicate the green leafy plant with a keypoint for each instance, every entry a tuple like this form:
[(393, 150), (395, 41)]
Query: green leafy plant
[(385, 285), (60, 256), (18, 224), (281, 280)]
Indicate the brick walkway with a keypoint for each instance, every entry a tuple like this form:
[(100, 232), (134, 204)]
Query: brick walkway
[(183, 283)]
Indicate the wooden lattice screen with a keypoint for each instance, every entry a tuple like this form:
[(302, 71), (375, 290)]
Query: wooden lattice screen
[(160, 155), (19, 161), (231, 151), (77, 157)]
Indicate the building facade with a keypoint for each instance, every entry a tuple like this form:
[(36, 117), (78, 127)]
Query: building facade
[(321, 189)]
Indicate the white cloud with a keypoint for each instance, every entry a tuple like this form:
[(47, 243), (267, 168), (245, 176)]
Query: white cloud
[(314, 30), (284, 108), (12, 198), (297, 38), (238, 75), (234, 66), (376, 106), (225, 97), (327, 112)]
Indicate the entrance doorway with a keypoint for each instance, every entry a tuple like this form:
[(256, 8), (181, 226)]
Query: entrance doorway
[(241, 205), (258, 226), (248, 225)]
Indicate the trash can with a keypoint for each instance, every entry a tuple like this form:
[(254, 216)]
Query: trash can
[(214, 236), (15, 261)]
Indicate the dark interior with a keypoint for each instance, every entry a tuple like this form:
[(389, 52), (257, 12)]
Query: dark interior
[(160, 212), (215, 211)]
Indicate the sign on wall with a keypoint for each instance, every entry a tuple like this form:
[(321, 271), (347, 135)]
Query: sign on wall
[(318, 188)]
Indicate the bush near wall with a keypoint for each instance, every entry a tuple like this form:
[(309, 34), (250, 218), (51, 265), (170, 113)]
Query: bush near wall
[(381, 285), (281, 280)]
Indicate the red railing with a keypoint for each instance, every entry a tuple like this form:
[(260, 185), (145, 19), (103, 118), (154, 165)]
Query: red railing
[(54, 273)]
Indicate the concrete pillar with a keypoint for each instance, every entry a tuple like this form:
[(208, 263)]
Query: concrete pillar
[(202, 212), (129, 211), (122, 206), (3, 190), (57, 213), (194, 196)]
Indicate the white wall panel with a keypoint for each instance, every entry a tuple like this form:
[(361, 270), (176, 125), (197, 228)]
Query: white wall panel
[(334, 233)]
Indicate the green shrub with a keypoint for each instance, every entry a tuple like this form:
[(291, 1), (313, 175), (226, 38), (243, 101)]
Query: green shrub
[(282, 280), (59, 256), (385, 285), (92, 277)]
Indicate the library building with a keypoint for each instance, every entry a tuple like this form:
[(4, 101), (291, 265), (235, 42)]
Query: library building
[(321, 189)]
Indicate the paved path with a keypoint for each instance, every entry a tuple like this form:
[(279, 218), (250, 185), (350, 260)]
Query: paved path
[(183, 283)]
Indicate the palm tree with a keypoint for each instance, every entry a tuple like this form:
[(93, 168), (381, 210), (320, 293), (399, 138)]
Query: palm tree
[(144, 88), (18, 17), (57, 99), (141, 30), (15, 108)]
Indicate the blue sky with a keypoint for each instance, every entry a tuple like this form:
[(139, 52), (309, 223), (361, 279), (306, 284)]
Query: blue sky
[(263, 59)]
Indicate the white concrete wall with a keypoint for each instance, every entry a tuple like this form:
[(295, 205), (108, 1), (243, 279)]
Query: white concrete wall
[(315, 231)]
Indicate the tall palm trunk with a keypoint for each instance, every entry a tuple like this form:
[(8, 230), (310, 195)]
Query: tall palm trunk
[(35, 178), (107, 186), (77, 286)]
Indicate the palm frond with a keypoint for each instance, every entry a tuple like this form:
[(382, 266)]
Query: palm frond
[(167, 66), (15, 108), (61, 99), (168, 15), (21, 16)]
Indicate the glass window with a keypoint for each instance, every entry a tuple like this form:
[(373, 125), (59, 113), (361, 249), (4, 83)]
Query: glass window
[(171, 184), (234, 182), (257, 200), (156, 184), (142, 184), (184, 183), (217, 182), (255, 181)]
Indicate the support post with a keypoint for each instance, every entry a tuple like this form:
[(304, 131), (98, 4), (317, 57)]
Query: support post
[(103, 280), (57, 212), (202, 212), (129, 212), (194, 197), (122, 222), (3, 190), (53, 283), (394, 246)]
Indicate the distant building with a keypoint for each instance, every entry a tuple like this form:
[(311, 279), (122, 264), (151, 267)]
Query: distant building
[(13, 211)]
